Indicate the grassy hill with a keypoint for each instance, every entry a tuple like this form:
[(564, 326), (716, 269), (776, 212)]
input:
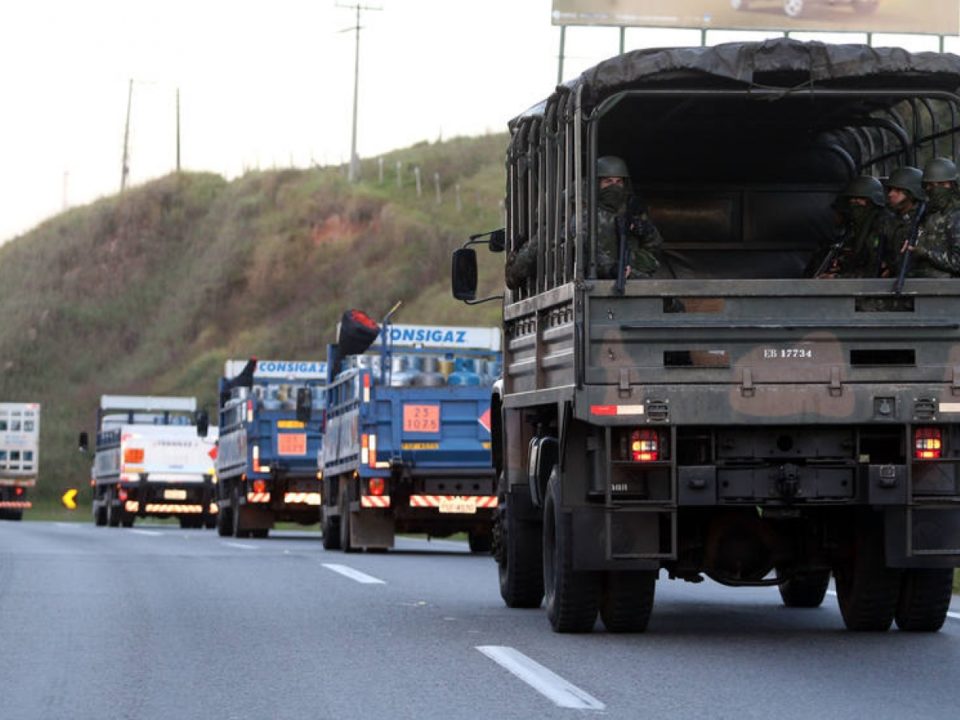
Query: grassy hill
[(150, 291)]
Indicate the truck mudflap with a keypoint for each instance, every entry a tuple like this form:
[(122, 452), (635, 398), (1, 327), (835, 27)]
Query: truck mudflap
[(922, 536)]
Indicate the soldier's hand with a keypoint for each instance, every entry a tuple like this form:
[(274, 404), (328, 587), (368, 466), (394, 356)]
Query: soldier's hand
[(906, 246)]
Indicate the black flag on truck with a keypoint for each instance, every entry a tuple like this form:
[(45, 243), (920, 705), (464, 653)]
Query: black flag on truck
[(357, 332)]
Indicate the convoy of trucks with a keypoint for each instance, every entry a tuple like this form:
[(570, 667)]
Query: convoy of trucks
[(727, 417), (19, 457), (407, 439), (148, 461), (270, 441)]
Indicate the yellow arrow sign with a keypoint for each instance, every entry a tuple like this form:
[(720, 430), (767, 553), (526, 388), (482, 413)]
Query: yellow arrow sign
[(69, 499)]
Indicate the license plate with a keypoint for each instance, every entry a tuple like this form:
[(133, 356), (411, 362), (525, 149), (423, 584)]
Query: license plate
[(459, 505), (292, 444), (174, 494), (421, 418)]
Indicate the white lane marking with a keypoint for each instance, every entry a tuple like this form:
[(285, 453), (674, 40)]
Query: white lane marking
[(354, 574), (242, 546), (955, 616), (147, 532), (544, 681)]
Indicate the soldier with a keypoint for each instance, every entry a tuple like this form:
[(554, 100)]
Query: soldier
[(864, 224), (615, 199), (907, 201), (936, 252)]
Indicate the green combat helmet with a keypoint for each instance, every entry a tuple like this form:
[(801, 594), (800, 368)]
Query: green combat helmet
[(909, 179), (867, 187), (940, 169), (612, 166)]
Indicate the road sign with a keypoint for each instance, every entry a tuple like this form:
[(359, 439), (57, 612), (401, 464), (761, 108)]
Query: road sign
[(69, 499)]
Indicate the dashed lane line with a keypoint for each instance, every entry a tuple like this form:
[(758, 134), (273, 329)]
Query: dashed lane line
[(955, 616), (146, 532), (543, 680), (356, 575), (242, 546)]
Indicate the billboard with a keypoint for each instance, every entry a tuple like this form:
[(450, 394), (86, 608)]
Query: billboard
[(933, 17)]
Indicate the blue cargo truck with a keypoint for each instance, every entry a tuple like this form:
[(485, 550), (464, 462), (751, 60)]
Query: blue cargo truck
[(407, 437), (270, 439)]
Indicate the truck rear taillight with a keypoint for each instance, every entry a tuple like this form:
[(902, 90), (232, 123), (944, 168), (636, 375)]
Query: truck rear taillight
[(122, 495), (644, 445), (376, 486), (259, 486), (18, 491), (133, 456), (927, 443)]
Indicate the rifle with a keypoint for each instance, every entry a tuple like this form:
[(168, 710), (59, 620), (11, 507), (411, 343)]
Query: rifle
[(831, 256), (621, 255), (911, 244)]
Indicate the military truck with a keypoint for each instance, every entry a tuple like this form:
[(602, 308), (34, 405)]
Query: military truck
[(729, 417), (19, 457)]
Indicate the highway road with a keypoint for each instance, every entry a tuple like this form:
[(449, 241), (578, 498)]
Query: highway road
[(158, 622)]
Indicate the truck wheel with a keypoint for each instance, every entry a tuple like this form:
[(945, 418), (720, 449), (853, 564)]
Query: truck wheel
[(113, 512), (867, 590), (792, 8), (260, 533), (480, 542), (519, 556), (627, 600), (345, 543), (191, 523), (238, 530), (573, 598), (331, 532), (924, 599), (99, 514), (127, 521), (225, 521), (14, 515), (805, 589)]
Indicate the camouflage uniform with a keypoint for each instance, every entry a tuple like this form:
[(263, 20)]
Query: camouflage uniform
[(866, 240), (937, 254), (641, 254)]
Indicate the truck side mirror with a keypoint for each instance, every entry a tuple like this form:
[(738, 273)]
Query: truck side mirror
[(304, 404), (84, 442), (203, 423), (498, 240), (463, 278)]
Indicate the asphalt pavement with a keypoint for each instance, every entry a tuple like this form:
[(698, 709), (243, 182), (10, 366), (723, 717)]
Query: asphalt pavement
[(158, 622)]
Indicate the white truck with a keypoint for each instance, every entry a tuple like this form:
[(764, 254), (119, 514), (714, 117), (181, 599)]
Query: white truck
[(149, 461), (19, 457)]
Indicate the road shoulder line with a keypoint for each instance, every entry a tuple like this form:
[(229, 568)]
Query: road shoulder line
[(355, 575)]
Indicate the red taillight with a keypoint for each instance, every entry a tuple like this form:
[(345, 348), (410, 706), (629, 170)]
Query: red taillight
[(259, 486), (122, 495), (927, 443), (134, 456), (376, 486), (18, 491), (644, 446)]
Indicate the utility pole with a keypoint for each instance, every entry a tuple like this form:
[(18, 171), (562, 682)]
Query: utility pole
[(178, 130), (125, 170), (354, 171)]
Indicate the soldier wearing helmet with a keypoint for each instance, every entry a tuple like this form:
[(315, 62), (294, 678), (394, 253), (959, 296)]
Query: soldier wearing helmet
[(907, 202), (615, 198), (936, 250), (864, 226)]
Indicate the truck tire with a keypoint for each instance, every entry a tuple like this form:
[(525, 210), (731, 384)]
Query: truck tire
[(260, 533), (519, 554), (804, 589), (627, 600), (191, 523), (113, 512), (867, 590), (225, 521), (573, 598), (127, 520), (238, 530), (345, 544), (99, 514), (331, 532), (480, 541), (924, 599)]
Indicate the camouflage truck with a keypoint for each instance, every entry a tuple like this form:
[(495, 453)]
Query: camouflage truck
[(728, 417)]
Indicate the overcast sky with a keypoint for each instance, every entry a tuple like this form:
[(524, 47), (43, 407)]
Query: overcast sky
[(267, 84)]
